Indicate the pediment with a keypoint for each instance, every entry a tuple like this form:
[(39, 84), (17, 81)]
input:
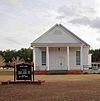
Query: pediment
[(60, 35)]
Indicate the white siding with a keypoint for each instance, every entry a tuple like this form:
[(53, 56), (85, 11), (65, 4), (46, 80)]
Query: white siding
[(58, 58), (38, 57), (72, 58), (89, 59), (85, 55)]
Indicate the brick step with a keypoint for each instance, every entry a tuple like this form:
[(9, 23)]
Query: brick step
[(40, 72), (74, 72), (55, 72)]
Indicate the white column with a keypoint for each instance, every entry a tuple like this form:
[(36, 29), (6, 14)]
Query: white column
[(68, 57), (47, 57), (34, 57), (81, 57)]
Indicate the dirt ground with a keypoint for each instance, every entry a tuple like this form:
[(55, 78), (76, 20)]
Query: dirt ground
[(56, 88)]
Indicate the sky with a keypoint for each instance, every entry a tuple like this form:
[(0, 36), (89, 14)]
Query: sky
[(22, 21)]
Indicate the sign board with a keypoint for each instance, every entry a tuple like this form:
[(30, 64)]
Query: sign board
[(23, 72)]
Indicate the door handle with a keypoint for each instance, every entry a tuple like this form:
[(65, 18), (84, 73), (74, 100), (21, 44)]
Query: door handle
[(61, 64)]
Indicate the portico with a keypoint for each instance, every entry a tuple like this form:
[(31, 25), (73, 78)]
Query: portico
[(56, 55)]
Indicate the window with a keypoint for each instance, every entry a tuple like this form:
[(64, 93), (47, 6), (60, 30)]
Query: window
[(43, 57), (77, 57)]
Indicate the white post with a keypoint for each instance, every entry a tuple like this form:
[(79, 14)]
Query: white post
[(34, 57), (47, 57), (81, 57), (68, 57)]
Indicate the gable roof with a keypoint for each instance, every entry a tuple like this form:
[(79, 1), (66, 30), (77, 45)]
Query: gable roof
[(58, 34)]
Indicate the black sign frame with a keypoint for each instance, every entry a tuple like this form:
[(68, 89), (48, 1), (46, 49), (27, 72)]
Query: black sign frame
[(23, 72)]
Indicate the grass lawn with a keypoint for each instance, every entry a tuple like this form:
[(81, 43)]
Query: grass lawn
[(59, 78), (8, 75), (56, 88)]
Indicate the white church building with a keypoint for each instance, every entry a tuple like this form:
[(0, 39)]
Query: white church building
[(60, 49)]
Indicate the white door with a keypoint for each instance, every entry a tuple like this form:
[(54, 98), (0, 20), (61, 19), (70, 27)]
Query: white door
[(60, 63), (58, 58)]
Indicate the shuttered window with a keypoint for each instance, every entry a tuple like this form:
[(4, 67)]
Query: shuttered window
[(43, 57), (77, 57)]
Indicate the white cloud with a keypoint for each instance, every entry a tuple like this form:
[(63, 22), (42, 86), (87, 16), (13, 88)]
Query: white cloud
[(22, 21), (84, 21), (77, 9), (95, 23), (98, 39)]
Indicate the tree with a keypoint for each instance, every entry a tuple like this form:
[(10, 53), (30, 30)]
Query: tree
[(26, 54), (22, 54), (95, 55), (9, 54)]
